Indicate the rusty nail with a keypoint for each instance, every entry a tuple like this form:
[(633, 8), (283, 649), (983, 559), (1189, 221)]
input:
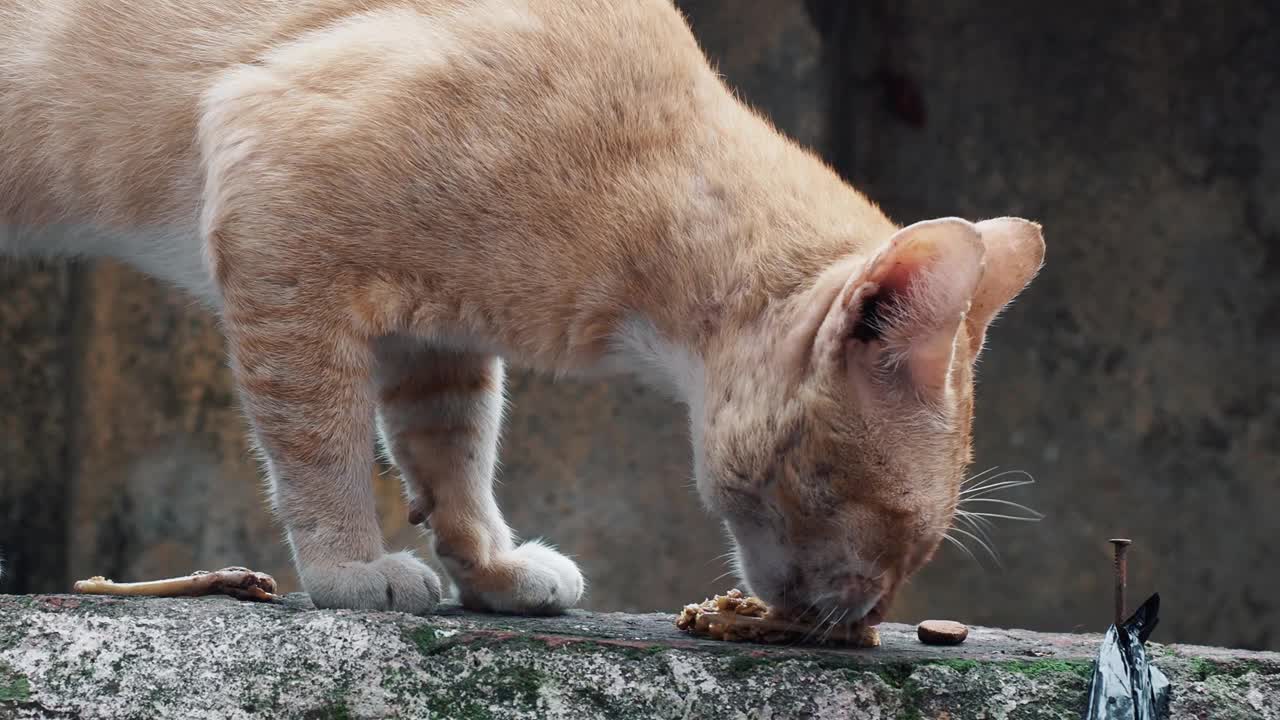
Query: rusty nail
[(1121, 546)]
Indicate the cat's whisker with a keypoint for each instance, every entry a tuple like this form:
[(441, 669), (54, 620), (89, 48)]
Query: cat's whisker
[(987, 482), (1019, 518), (818, 625), (975, 478), (826, 622), (981, 534), (807, 610), (995, 484), (980, 528), (723, 557), (806, 635), (976, 520), (832, 626), (724, 575), (985, 546), (793, 643), (984, 479), (988, 489), (1008, 503), (963, 548), (997, 475)]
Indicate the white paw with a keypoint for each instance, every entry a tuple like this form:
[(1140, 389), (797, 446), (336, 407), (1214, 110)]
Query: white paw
[(396, 581), (541, 581)]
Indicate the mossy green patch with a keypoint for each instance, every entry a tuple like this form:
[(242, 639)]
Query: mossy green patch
[(14, 686), (1204, 669), (466, 711), (521, 683), (593, 695), (896, 675), (1036, 668), (423, 637), (332, 711), (742, 665), (507, 685), (961, 666), (640, 652)]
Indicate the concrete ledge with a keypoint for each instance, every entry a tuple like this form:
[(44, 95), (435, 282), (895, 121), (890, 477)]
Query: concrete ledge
[(87, 657)]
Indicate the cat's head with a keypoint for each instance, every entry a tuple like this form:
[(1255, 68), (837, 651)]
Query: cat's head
[(835, 438)]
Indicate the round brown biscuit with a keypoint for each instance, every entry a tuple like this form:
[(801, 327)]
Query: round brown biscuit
[(941, 632)]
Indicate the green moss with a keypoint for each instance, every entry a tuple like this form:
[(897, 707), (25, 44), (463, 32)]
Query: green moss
[(743, 665), (14, 686), (423, 637), (1204, 669), (506, 685), (333, 711), (521, 683), (593, 695), (895, 675), (467, 711), (641, 652), (961, 666), (912, 697), (455, 702), (1036, 668)]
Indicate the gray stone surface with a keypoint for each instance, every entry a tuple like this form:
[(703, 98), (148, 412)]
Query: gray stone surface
[(78, 657)]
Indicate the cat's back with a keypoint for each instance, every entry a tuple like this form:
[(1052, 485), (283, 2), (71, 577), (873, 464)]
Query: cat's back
[(99, 98), (534, 110)]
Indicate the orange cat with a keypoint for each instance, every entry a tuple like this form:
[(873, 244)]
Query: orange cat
[(382, 199)]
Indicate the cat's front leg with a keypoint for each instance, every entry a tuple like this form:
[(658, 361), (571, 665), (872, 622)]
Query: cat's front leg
[(305, 381), (440, 413)]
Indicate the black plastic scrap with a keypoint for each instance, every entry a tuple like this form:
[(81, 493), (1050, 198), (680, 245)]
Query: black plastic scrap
[(1125, 685)]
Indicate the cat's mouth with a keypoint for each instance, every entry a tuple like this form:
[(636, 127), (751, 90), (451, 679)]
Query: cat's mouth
[(877, 613), (838, 615)]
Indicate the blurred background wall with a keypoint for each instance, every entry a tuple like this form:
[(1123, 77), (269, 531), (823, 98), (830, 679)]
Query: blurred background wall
[(1136, 380)]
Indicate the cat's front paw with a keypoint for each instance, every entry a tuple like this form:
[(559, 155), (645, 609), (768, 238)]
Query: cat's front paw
[(533, 579), (397, 581)]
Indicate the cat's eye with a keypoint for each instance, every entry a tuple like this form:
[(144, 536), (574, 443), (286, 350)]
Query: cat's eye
[(740, 501)]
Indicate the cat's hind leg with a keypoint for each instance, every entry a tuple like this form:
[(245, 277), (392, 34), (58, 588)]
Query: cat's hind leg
[(439, 417)]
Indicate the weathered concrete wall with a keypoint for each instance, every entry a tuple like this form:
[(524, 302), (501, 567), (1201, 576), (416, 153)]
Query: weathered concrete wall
[(1135, 379), (71, 657), (37, 369)]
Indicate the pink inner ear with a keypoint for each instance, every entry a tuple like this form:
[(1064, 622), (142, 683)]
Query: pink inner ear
[(897, 277), (926, 278), (906, 256)]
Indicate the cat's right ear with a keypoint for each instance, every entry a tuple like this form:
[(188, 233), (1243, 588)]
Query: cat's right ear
[(900, 317)]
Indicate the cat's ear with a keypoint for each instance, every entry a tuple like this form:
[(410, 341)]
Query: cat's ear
[(900, 315), (1014, 254)]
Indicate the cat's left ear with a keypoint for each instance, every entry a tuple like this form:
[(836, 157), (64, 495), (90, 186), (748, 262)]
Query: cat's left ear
[(1014, 254), (901, 314)]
